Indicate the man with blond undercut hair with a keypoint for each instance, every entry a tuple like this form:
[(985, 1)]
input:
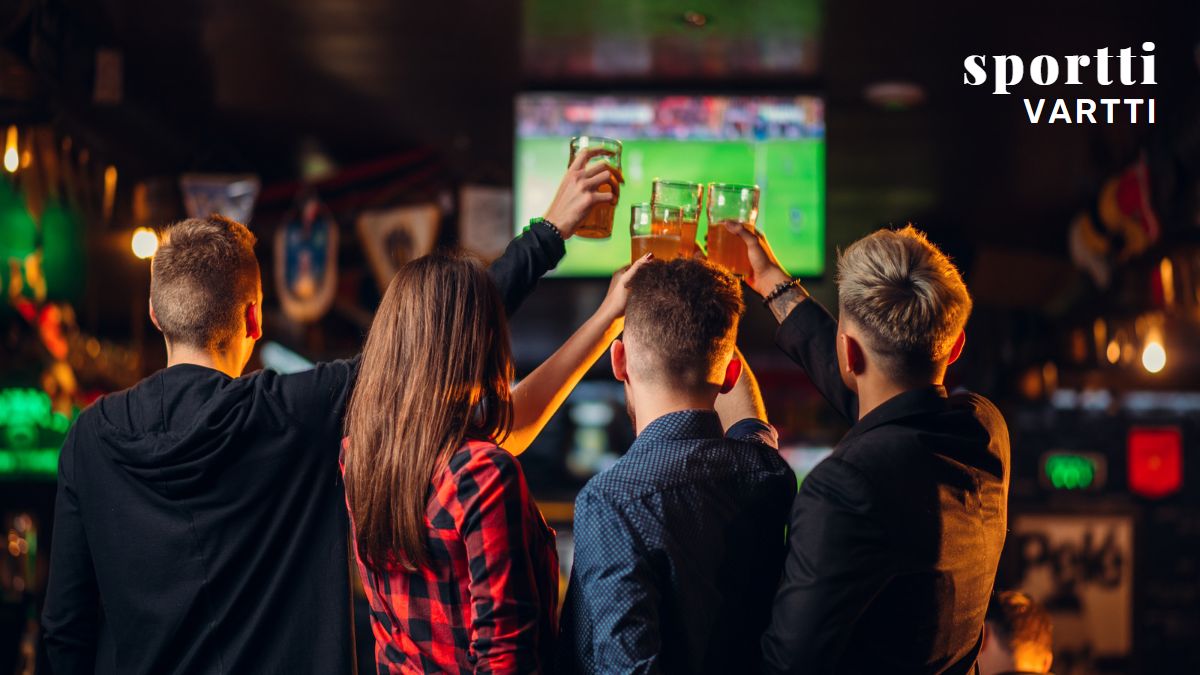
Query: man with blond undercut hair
[(894, 539)]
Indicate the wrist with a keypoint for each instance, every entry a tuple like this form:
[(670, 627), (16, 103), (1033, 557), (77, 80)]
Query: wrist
[(608, 315), (553, 225), (769, 280)]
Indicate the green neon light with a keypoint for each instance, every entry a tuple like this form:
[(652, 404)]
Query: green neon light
[(28, 423), (24, 408), (1070, 472), (37, 462)]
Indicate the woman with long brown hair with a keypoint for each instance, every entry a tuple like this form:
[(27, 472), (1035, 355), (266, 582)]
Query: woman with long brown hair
[(457, 562)]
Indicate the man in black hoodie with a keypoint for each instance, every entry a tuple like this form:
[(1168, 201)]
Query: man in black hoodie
[(200, 525)]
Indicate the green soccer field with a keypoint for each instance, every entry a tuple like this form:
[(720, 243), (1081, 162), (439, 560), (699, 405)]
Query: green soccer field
[(791, 174)]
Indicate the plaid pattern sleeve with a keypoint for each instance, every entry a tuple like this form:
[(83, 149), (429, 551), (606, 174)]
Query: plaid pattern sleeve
[(488, 600)]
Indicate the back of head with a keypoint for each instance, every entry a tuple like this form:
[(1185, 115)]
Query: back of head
[(1021, 625), (681, 323), (907, 296), (203, 276), (435, 371)]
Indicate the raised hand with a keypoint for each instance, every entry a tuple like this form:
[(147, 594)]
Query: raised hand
[(618, 289), (766, 272), (580, 190)]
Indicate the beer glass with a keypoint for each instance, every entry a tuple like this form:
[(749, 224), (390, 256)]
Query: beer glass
[(598, 222), (687, 197), (728, 203), (654, 228)]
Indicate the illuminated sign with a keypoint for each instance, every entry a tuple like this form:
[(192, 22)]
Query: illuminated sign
[(1155, 457), (1066, 470), (30, 433)]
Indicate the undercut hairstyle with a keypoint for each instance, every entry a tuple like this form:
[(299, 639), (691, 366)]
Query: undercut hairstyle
[(683, 317), (907, 296), (202, 278), (1022, 625)]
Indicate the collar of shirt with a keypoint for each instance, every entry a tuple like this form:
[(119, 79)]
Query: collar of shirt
[(681, 425), (920, 401)]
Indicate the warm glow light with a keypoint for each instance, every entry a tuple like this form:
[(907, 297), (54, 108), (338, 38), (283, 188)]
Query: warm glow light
[(12, 159), (145, 243), (1166, 272), (1113, 352), (110, 194), (1154, 357)]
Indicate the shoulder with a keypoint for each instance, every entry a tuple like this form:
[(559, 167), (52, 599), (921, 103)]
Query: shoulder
[(839, 483), (631, 477), (982, 409), (484, 461), (596, 500)]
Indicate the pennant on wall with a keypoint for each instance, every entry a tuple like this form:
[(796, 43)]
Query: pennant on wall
[(306, 261), (232, 196), (395, 236)]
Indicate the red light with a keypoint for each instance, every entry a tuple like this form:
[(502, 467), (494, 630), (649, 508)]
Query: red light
[(1155, 461)]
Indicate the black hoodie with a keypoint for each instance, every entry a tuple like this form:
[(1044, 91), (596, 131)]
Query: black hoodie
[(200, 525)]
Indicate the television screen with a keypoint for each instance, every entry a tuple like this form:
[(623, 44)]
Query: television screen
[(776, 142)]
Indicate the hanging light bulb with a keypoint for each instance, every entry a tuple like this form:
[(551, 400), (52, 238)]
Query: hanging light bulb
[(12, 158), (1154, 356), (144, 243)]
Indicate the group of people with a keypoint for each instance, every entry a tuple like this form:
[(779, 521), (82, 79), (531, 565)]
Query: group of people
[(203, 515)]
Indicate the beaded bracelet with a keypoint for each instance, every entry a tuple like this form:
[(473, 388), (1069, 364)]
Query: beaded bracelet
[(779, 290)]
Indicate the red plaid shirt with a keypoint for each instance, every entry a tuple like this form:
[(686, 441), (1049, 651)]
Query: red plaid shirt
[(488, 601)]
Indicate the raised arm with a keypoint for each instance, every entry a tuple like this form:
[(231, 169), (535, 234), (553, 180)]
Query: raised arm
[(542, 245), (70, 618), (538, 396), (807, 333), (744, 401)]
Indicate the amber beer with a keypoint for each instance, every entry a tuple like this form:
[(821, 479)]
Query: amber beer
[(729, 203), (687, 197), (654, 229), (598, 222), (727, 249)]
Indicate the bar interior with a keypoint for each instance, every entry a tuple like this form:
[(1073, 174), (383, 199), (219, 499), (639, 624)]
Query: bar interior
[(354, 136)]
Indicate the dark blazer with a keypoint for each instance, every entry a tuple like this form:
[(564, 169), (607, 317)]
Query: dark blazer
[(894, 538)]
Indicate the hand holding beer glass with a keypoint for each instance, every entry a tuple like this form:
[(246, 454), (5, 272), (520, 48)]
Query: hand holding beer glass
[(729, 203), (687, 197), (654, 228), (602, 154)]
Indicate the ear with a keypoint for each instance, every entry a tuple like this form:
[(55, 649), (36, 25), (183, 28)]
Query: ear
[(987, 635), (620, 366), (153, 316), (253, 321), (956, 350), (732, 372), (1047, 662), (856, 361)]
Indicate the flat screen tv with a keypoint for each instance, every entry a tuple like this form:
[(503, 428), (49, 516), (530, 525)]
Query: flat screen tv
[(776, 142)]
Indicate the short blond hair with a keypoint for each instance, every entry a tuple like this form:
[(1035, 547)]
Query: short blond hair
[(201, 279), (907, 295)]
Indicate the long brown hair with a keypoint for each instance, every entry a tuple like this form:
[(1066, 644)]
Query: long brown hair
[(435, 371)]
